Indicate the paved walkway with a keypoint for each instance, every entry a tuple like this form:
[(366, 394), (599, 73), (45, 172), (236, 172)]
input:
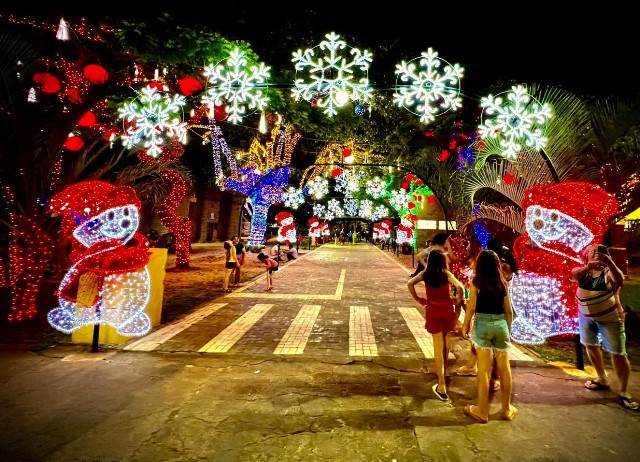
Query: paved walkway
[(334, 301)]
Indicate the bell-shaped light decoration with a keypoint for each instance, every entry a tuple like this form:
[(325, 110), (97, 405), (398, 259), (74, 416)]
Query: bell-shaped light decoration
[(63, 30)]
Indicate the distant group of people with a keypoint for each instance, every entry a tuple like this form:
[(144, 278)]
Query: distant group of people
[(478, 282)]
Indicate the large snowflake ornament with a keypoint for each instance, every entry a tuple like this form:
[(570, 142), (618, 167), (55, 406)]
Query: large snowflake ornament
[(293, 198), (379, 212), (400, 199), (376, 188), (237, 85), (515, 120), (332, 78), (152, 120), (334, 206), (318, 187), (426, 89), (319, 210)]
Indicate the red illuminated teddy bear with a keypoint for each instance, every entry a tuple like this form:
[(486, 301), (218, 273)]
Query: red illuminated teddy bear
[(287, 230)]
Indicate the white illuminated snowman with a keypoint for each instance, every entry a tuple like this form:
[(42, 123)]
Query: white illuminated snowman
[(108, 282)]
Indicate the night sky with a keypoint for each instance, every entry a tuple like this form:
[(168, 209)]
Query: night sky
[(585, 50)]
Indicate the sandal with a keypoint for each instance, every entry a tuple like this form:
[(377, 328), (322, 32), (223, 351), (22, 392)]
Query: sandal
[(467, 371), (594, 385), (441, 396), (510, 414), (476, 417), (494, 386), (629, 403)]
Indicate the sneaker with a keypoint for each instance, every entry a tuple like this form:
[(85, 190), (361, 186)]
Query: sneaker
[(466, 370)]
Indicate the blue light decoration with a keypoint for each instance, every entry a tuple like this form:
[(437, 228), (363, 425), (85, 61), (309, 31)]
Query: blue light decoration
[(481, 233), (264, 181), (359, 109)]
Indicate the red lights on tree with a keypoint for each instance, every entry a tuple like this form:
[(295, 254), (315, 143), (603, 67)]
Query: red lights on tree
[(87, 120)]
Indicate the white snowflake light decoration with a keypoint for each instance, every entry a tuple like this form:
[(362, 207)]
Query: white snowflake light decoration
[(332, 78), (319, 210), (428, 90), (348, 181), (293, 198), (236, 86), (366, 208), (318, 187), (400, 199), (379, 212), (335, 207), (376, 188), (329, 215), (151, 119), (515, 120), (351, 206)]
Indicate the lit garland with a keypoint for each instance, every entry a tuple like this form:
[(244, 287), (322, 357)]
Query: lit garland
[(236, 86), (108, 282), (515, 121), (179, 226), (560, 221), (332, 79), (152, 119), (431, 91)]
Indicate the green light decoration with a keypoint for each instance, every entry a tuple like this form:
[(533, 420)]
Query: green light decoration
[(427, 88), (332, 79), (238, 85), (514, 121)]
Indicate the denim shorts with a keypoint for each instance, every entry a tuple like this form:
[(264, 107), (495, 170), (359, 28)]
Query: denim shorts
[(490, 331), (611, 335)]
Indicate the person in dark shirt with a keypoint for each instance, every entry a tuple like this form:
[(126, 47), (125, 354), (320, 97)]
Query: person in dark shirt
[(490, 309)]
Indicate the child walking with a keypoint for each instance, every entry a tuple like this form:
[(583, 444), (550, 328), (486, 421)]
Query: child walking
[(271, 265)]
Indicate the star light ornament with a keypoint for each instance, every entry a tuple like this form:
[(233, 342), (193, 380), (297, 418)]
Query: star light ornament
[(236, 86), (515, 121), (427, 88), (152, 119), (333, 79)]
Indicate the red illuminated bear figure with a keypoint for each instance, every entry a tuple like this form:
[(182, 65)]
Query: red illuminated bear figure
[(108, 282), (287, 230), (560, 221), (314, 227), (385, 228)]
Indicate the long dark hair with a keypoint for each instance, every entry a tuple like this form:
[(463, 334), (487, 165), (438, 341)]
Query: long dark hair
[(488, 276), (436, 273), (504, 253)]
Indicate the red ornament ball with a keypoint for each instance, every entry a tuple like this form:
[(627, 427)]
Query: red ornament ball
[(95, 73), (431, 199), (87, 120), (220, 113), (74, 143), (189, 85)]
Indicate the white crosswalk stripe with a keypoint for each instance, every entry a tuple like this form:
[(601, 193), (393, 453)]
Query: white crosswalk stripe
[(362, 340)]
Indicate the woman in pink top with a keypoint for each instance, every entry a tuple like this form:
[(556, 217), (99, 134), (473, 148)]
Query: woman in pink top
[(440, 317)]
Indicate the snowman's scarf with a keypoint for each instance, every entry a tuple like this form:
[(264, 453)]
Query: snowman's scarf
[(101, 260)]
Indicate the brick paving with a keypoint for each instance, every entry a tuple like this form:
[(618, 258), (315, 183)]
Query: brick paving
[(336, 300)]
